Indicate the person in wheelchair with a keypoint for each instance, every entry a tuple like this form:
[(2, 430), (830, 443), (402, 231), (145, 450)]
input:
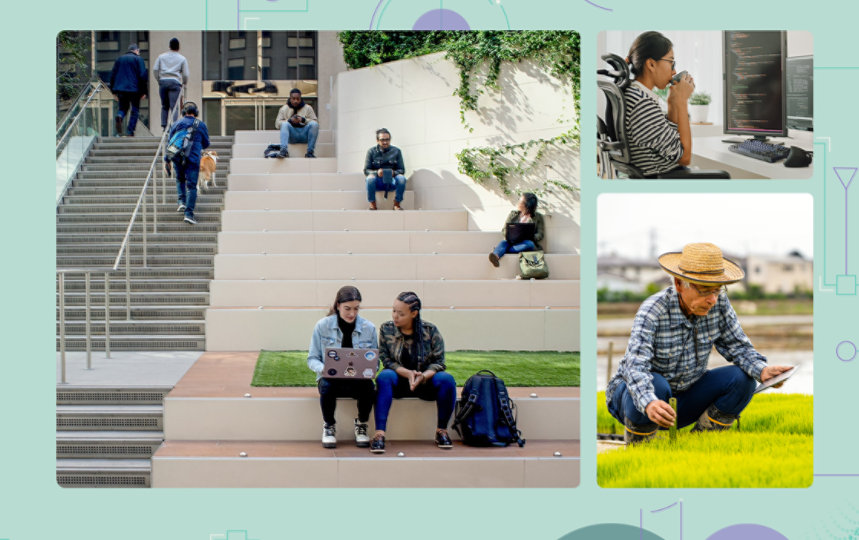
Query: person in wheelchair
[(658, 143)]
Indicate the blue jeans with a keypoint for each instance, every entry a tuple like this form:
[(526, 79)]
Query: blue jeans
[(126, 100), (305, 134), (726, 387), (376, 183), (441, 388), (505, 247), (186, 185), (168, 91)]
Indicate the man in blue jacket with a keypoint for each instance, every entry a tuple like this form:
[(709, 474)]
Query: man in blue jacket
[(188, 166), (129, 83)]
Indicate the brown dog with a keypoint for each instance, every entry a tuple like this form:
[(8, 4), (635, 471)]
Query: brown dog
[(207, 170)]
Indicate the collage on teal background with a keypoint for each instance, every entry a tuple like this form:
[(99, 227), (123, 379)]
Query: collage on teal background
[(34, 507)]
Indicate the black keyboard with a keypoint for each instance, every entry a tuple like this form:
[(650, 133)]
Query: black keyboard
[(760, 150)]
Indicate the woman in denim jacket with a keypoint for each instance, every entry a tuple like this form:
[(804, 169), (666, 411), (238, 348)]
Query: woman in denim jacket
[(343, 328)]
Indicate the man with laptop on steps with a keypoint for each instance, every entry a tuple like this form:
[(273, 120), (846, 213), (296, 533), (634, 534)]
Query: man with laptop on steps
[(385, 170)]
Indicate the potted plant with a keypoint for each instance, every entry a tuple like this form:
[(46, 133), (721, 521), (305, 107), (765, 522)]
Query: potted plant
[(699, 105)]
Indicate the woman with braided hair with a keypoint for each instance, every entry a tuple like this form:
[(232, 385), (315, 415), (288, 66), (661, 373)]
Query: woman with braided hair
[(412, 354)]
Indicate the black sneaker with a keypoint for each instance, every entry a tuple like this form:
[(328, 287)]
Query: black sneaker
[(377, 445), (190, 220), (309, 155), (118, 126), (442, 439), (493, 258), (284, 153)]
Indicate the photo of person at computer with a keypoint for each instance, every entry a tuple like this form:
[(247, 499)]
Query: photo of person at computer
[(751, 93)]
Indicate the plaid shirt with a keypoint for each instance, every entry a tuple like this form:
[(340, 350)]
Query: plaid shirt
[(663, 340)]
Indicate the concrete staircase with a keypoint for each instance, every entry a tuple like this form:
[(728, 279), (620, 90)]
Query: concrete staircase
[(107, 435), (168, 299)]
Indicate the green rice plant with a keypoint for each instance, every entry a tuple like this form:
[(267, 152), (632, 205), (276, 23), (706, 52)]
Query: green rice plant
[(516, 368)]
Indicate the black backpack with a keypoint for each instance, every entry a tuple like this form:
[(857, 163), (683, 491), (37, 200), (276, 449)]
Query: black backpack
[(484, 413)]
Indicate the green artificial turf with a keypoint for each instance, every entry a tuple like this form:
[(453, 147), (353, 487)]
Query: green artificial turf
[(773, 448), (515, 368)]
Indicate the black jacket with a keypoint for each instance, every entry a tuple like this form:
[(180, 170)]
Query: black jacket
[(129, 75), (391, 158)]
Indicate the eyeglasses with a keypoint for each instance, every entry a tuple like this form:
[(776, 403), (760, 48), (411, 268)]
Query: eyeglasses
[(709, 290), (673, 62), (386, 139)]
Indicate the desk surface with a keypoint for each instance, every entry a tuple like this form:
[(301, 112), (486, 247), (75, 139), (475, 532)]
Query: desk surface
[(709, 152)]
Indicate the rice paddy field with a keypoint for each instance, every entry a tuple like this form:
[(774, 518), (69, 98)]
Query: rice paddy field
[(774, 448)]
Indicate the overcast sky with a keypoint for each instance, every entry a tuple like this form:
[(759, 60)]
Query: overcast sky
[(739, 223)]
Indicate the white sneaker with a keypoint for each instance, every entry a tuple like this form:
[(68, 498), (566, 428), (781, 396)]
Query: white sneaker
[(329, 439), (362, 440)]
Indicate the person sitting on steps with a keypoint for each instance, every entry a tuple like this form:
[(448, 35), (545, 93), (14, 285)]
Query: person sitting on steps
[(379, 158), (297, 124), (526, 212)]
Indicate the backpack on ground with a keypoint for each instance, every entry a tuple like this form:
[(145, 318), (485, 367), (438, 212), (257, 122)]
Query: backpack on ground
[(532, 265), (485, 413), (179, 145)]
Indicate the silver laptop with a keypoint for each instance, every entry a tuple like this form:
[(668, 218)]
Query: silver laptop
[(345, 363)]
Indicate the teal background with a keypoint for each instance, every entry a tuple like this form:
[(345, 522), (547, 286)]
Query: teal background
[(34, 507)]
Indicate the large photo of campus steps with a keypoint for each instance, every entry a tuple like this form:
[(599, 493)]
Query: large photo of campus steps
[(174, 405)]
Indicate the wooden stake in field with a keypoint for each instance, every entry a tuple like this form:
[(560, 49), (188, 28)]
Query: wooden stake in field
[(672, 431)]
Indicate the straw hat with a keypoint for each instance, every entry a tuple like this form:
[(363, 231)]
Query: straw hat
[(702, 264)]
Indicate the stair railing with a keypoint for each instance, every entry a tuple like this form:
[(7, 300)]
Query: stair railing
[(61, 294)]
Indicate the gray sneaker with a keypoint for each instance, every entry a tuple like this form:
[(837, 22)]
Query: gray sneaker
[(190, 220), (180, 208), (362, 440), (329, 437)]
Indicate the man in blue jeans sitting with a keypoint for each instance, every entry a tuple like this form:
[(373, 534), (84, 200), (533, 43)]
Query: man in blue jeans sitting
[(297, 124), (379, 158), (669, 348)]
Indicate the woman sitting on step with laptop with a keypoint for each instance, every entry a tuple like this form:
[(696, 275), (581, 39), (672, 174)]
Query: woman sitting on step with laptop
[(343, 328), (412, 354), (523, 230)]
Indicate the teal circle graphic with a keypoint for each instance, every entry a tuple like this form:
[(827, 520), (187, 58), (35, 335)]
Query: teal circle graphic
[(615, 531)]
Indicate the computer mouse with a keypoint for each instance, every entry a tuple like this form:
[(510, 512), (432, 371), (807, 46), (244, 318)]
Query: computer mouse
[(797, 157)]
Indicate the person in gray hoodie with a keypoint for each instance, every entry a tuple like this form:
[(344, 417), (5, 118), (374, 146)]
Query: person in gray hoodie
[(171, 71)]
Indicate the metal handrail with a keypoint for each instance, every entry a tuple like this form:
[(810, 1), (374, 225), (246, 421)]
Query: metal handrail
[(74, 105), (61, 285), (98, 88)]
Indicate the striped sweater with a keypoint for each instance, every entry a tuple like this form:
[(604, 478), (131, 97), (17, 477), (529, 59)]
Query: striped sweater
[(654, 142)]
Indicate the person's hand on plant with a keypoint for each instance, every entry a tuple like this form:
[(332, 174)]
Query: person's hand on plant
[(661, 413), (771, 371)]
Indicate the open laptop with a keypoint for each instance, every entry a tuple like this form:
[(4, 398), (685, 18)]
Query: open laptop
[(519, 232), (345, 363)]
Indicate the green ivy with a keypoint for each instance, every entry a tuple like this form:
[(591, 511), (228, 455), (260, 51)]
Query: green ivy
[(483, 52)]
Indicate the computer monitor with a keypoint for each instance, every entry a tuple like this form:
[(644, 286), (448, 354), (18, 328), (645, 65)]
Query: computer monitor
[(800, 93), (754, 83)]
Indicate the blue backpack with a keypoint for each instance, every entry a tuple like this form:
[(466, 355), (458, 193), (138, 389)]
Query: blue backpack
[(484, 413), (179, 145)]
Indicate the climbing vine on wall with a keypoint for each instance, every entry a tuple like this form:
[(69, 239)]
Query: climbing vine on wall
[(479, 56)]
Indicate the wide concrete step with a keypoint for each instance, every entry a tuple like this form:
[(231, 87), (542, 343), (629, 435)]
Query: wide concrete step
[(193, 235), (79, 261), (121, 328), (257, 150), (119, 226), (166, 215), (108, 444), (104, 200), (153, 140), (104, 473), (165, 210), (218, 464), (261, 165), (141, 342), (380, 293), (312, 200), (137, 167), (105, 157), (109, 417), (254, 328), (187, 272), (365, 242), (138, 298), (272, 136), (344, 220), (408, 266), (153, 248), (138, 313), (296, 181), (76, 283)]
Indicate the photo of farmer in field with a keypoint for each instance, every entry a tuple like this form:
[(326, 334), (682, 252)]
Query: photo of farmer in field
[(683, 405)]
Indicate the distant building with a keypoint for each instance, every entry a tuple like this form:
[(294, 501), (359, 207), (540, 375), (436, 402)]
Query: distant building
[(617, 273), (780, 275)]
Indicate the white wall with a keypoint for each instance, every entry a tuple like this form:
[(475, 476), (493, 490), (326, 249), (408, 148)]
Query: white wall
[(414, 100)]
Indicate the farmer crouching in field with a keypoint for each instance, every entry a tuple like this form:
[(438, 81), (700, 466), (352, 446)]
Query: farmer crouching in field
[(669, 348)]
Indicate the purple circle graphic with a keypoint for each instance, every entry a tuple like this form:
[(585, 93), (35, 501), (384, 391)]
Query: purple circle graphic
[(441, 19), (845, 358), (747, 532)]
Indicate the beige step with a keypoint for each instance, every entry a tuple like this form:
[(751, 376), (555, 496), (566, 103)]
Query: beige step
[(380, 293), (273, 242), (216, 464), (296, 150), (272, 136), (263, 165), (344, 220), (409, 266), (296, 181), (530, 329), (310, 200)]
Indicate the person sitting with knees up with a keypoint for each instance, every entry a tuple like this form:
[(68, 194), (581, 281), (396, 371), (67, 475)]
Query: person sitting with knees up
[(343, 328), (412, 354), (297, 124), (384, 169), (525, 233)]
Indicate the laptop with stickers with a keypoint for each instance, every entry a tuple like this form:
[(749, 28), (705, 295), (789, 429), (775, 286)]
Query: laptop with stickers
[(345, 363)]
